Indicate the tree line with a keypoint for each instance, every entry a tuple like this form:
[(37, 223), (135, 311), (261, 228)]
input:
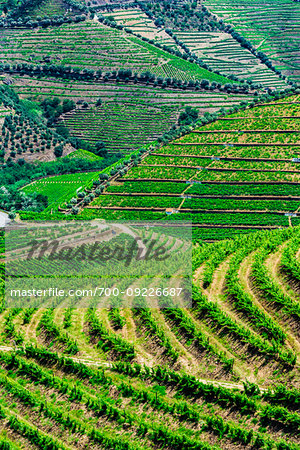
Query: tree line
[(123, 75)]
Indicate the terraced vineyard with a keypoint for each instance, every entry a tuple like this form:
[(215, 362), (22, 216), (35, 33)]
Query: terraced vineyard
[(209, 377), (139, 23), (223, 53), (219, 50), (3, 113), (129, 115), (92, 45), (123, 127), (240, 172), (48, 8), (271, 25)]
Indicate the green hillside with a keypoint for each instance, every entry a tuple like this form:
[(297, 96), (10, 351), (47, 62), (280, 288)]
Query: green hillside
[(271, 25), (142, 88), (222, 374), (91, 45), (149, 225), (239, 172), (197, 31)]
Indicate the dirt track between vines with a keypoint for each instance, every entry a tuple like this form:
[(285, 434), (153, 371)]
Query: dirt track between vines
[(90, 362)]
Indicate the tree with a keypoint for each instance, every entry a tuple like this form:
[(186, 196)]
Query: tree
[(68, 105), (58, 151), (12, 215), (103, 176), (100, 149), (63, 131), (124, 73), (189, 116), (204, 84), (42, 200)]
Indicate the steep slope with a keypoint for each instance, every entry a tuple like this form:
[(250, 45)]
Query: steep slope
[(24, 134), (128, 115), (92, 45), (128, 92), (239, 172), (194, 29), (209, 377), (271, 25)]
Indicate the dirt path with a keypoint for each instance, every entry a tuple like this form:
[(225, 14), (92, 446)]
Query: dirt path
[(273, 265), (30, 333), (197, 277), (245, 275), (98, 363), (244, 278), (24, 418), (129, 331), (215, 293)]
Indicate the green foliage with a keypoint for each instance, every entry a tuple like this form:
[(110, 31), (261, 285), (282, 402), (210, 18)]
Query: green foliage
[(109, 341), (156, 331), (54, 333), (238, 165), (54, 107), (189, 116), (100, 149), (224, 324)]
